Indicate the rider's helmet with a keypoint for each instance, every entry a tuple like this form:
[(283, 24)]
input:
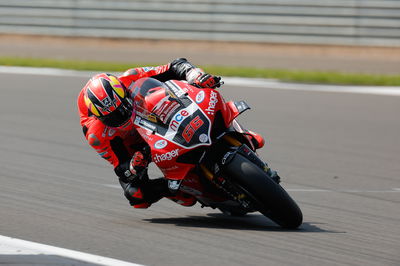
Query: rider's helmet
[(107, 98)]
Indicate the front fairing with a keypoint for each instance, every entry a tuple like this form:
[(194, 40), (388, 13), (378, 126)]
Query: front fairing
[(174, 118)]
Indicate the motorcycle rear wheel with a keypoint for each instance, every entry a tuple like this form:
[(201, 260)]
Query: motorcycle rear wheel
[(269, 197)]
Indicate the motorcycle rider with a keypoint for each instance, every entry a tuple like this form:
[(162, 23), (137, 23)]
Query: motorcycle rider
[(107, 115)]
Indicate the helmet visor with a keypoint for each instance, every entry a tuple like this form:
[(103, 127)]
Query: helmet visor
[(119, 116)]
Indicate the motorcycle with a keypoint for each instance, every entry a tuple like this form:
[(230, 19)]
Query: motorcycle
[(197, 143)]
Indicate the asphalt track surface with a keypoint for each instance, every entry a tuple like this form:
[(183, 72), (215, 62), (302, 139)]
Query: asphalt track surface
[(338, 155)]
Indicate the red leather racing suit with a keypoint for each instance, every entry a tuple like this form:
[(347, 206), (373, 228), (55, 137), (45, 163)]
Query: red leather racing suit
[(117, 147)]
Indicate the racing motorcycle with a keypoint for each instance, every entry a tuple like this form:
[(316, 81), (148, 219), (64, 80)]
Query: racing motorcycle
[(197, 143)]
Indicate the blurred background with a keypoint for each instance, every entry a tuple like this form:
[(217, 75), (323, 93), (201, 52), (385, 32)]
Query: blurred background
[(360, 36), (337, 153)]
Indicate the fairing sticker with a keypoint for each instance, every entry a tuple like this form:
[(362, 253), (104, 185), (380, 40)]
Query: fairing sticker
[(188, 127)]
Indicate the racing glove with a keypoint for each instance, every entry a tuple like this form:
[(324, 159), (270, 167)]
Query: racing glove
[(200, 79), (133, 171), (138, 165)]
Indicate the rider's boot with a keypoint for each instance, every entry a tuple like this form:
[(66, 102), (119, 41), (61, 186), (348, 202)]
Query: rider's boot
[(143, 195)]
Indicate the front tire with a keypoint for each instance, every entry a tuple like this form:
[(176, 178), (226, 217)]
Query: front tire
[(268, 197)]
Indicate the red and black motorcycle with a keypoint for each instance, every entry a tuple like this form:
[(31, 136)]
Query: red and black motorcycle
[(202, 150)]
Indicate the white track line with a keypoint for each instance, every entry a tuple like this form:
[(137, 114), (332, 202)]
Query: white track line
[(14, 246), (44, 71), (244, 82)]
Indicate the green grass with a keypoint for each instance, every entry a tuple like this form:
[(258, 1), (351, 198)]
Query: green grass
[(319, 77), (284, 75)]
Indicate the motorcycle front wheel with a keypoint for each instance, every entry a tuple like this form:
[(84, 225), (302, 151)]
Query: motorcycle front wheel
[(268, 197)]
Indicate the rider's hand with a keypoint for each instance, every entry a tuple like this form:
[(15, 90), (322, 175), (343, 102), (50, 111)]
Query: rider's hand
[(207, 81), (137, 166), (203, 80)]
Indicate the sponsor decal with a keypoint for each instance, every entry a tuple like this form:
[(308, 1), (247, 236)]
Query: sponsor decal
[(189, 88), (147, 69), (152, 118), (165, 156), (226, 156), (160, 106), (174, 184), (147, 135), (147, 125), (137, 119), (169, 112), (165, 109), (213, 102), (200, 97), (177, 120), (111, 132), (104, 134), (127, 173), (203, 138), (175, 89), (108, 131), (161, 144), (169, 168), (191, 128), (107, 104)]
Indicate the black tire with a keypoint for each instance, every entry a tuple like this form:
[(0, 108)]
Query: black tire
[(269, 197)]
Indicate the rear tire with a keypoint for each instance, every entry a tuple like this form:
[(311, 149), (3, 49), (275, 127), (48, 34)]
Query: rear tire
[(269, 197)]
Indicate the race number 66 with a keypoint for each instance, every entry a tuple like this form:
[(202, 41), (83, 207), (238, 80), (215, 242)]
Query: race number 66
[(191, 128)]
